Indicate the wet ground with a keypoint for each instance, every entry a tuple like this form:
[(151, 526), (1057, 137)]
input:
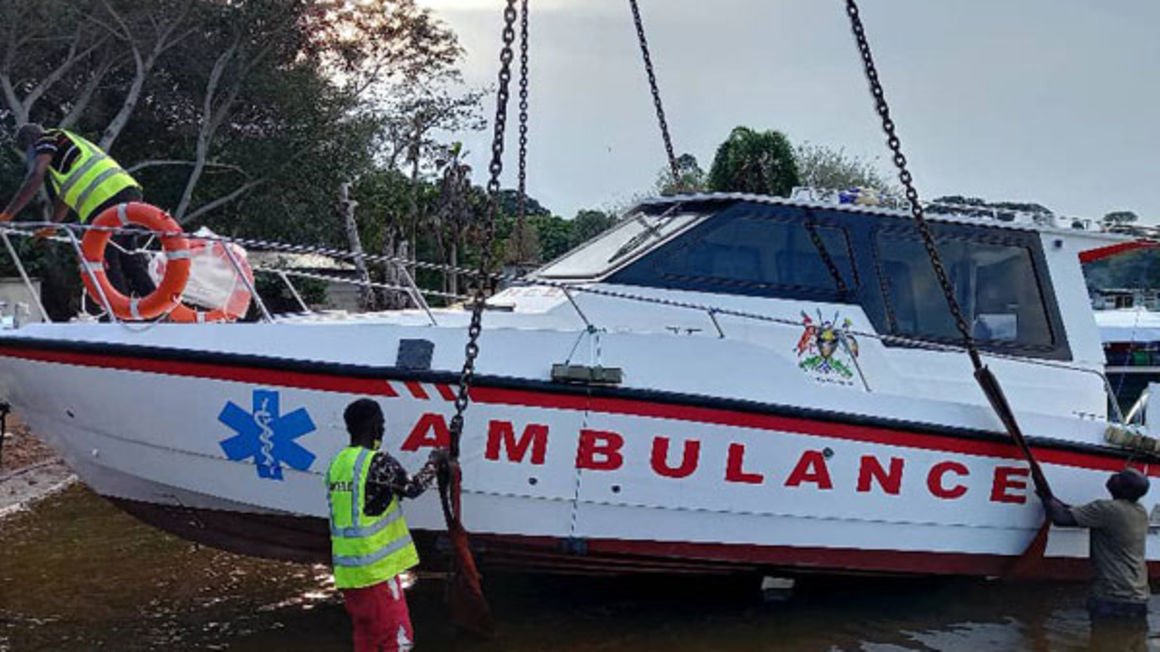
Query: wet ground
[(77, 574)]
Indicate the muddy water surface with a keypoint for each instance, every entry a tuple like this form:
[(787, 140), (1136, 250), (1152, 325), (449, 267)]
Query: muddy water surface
[(77, 574)]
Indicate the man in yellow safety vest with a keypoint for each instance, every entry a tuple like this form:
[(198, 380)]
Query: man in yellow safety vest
[(370, 543), (84, 180)]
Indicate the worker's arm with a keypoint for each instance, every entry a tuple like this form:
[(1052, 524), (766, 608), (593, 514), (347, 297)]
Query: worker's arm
[(387, 479), (1058, 511), (32, 184), (59, 211)]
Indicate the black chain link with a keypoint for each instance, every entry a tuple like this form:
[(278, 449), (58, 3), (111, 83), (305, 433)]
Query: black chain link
[(523, 162), (656, 92), (907, 180), (462, 398), (811, 225)]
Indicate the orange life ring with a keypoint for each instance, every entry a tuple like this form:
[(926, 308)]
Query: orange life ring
[(238, 303), (167, 296)]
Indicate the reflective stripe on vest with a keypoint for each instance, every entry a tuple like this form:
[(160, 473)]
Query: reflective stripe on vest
[(367, 560), (93, 180), (365, 549)]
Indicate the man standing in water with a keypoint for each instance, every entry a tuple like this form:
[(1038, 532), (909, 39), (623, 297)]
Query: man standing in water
[(370, 542), (1119, 528)]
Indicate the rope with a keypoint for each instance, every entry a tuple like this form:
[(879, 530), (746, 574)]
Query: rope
[(5, 408)]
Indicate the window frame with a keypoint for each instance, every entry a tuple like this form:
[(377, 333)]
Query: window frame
[(644, 272), (953, 231)]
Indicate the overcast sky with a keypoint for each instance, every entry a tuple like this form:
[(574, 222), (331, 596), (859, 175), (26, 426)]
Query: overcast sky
[(1052, 101)]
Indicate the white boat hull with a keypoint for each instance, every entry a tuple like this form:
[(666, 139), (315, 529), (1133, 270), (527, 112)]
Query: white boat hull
[(557, 476)]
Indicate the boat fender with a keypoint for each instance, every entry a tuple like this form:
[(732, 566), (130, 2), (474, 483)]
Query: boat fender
[(1126, 436), (167, 296)]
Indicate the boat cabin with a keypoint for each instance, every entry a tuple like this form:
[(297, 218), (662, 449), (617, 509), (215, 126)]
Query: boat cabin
[(770, 248)]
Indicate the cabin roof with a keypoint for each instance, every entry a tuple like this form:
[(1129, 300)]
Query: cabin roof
[(860, 209)]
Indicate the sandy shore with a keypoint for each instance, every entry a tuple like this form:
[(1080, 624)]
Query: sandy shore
[(29, 470)]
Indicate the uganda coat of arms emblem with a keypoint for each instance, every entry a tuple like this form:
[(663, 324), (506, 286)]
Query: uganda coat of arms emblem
[(827, 351)]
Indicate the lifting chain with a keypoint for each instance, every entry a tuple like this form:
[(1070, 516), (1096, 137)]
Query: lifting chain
[(983, 375), (523, 159), (907, 180), (811, 225), (656, 92), (462, 398)]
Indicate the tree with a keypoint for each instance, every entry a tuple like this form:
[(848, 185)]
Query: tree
[(455, 214), (555, 235), (242, 116), (760, 162), (690, 177), (1120, 218), (590, 223), (826, 168), (981, 208), (213, 103)]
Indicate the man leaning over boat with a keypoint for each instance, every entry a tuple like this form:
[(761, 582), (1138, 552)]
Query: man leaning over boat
[(370, 543), (82, 179)]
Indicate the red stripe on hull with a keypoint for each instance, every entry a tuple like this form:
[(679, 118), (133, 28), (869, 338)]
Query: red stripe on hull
[(268, 377), (417, 390), (446, 392), (579, 402)]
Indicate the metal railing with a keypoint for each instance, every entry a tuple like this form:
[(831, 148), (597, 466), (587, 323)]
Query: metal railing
[(68, 234)]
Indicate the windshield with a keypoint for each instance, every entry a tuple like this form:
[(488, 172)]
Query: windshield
[(637, 233)]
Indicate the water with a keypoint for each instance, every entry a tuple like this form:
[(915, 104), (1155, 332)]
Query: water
[(77, 574)]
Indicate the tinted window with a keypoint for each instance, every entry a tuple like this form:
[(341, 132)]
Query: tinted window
[(751, 251), (995, 284)]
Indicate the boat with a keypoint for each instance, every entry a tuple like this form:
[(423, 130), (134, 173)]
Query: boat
[(719, 383), (1131, 338)]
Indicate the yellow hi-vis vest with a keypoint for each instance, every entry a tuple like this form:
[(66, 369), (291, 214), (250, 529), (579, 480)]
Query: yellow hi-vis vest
[(365, 550), (91, 181)]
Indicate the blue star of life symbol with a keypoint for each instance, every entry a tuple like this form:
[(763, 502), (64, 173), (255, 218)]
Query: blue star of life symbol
[(267, 435)]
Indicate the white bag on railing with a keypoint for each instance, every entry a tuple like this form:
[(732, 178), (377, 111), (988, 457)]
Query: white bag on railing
[(214, 281)]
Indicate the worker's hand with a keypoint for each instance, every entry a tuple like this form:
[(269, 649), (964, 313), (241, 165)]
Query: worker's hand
[(5, 217), (46, 232), (440, 457)]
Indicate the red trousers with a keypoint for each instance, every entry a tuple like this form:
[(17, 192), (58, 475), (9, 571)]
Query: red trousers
[(381, 620)]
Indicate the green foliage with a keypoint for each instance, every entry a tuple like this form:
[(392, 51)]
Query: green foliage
[(690, 177), (977, 207), (509, 204), (1120, 218), (760, 162), (590, 223), (827, 168), (555, 235)]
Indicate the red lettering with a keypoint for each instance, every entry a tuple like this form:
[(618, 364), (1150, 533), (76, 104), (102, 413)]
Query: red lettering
[(1009, 477), (596, 444), (934, 480), (431, 431), (689, 458), (734, 471), (811, 468), (502, 434), (871, 470)]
